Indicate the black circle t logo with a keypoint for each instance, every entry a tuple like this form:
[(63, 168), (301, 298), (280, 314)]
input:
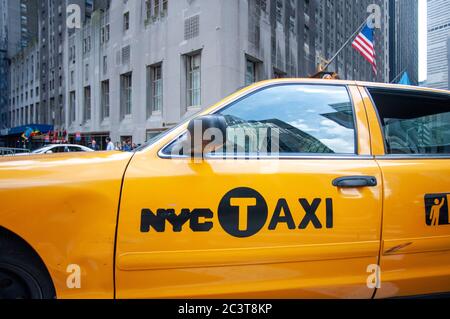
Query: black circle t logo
[(242, 212)]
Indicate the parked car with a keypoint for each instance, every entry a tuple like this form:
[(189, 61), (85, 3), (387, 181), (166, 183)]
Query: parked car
[(354, 183), (58, 148)]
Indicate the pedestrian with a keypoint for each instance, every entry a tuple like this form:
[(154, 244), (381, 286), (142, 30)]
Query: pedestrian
[(127, 146), (94, 145), (118, 147), (110, 145)]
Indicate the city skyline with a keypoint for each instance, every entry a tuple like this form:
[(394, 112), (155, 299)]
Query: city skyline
[(438, 21), (423, 40)]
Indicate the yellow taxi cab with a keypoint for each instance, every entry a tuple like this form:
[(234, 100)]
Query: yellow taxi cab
[(347, 196)]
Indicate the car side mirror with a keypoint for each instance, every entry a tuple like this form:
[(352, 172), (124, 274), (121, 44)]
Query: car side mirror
[(206, 133), (49, 152)]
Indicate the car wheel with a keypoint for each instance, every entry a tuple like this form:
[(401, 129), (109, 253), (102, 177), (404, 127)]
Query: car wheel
[(22, 273)]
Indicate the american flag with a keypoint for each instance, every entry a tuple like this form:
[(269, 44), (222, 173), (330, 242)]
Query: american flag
[(364, 44)]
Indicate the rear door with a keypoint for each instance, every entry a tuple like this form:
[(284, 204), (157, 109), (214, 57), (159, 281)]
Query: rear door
[(413, 150), (301, 223)]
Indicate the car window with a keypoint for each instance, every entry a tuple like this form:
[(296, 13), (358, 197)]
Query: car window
[(414, 122), (307, 119), (60, 149), (310, 119), (75, 149)]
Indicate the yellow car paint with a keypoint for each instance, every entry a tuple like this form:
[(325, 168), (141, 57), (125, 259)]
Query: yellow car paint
[(65, 207)]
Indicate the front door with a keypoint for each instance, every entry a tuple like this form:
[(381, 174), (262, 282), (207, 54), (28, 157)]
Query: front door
[(413, 148), (300, 222)]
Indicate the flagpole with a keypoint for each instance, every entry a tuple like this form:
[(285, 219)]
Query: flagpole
[(398, 75), (345, 44)]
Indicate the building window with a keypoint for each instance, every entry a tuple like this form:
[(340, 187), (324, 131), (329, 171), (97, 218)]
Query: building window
[(105, 99), (102, 35), (105, 64), (125, 93), (87, 103), (72, 106), (32, 121), (36, 112), (72, 78), (250, 72), (279, 11), (107, 36), (293, 23), (148, 9), (193, 80), (105, 28), (192, 27), (72, 54), (155, 9), (126, 54), (86, 72), (157, 86), (126, 21), (87, 45)]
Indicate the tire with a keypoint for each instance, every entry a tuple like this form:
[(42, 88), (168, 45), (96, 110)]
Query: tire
[(23, 275)]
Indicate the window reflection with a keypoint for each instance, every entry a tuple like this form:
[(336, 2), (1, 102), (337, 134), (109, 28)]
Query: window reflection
[(309, 118)]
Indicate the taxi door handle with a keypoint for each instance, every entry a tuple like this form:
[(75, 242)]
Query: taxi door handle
[(355, 181)]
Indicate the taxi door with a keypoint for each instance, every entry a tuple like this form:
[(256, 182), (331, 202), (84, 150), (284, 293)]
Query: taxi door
[(302, 223), (412, 147)]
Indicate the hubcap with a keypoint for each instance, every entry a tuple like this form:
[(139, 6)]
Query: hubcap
[(16, 283)]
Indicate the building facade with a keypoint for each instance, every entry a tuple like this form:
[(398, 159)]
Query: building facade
[(24, 93), (137, 68), (53, 34), (448, 59), (18, 28), (18, 24), (438, 31), (404, 40)]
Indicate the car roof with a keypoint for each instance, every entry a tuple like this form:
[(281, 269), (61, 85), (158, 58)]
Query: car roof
[(402, 87), (69, 145), (348, 82)]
